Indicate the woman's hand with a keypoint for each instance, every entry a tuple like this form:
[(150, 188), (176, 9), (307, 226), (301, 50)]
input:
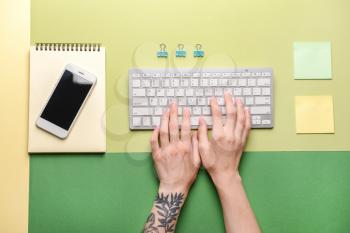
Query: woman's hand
[(221, 154), (176, 158)]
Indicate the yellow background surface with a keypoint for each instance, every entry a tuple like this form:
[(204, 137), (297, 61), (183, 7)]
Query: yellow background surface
[(234, 33), (14, 160)]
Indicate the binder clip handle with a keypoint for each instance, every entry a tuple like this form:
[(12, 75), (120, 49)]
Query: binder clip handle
[(180, 52), (198, 52), (162, 52)]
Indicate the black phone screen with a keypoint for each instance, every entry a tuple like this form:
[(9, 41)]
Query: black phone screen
[(66, 100)]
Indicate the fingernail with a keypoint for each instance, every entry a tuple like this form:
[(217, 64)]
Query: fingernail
[(200, 120)]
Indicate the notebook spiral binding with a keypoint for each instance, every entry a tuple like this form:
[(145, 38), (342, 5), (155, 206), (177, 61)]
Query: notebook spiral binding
[(68, 47)]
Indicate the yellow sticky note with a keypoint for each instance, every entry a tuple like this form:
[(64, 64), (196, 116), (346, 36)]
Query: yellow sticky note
[(314, 114)]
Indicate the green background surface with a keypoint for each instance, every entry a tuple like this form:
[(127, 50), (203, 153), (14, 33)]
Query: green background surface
[(290, 192), (304, 192)]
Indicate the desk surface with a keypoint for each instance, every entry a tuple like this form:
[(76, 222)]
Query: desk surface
[(313, 197), (290, 192), (241, 33)]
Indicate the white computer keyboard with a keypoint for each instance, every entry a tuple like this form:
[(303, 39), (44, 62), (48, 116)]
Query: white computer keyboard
[(152, 90)]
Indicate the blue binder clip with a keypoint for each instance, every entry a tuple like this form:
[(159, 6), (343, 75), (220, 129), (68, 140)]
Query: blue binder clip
[(162, 52), (180, 52), (198, 52)]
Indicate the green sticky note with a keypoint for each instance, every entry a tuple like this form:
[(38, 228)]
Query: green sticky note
[(312, 60)]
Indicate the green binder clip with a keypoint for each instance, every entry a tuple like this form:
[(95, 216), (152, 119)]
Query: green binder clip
[(180, 52), (198, 52), (162, 52)]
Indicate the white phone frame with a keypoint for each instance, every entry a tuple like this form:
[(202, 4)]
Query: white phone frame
[(55, 129)]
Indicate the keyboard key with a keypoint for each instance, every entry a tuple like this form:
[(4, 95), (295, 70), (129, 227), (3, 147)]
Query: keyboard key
[(219, 91), (184, 82), (146, 83), (165, 83), (199, 92), (155, 83), (170, 92), (237, 91), (196, 111), (194, 121), (232, 82), (141, 111), (266, 91), (202, 101), (263, 82), (180, 92), (223, 82), (191, 101), (260, 110), (175, 82), (182, 101), (138, 92), (162, 101), (242, 82), (139, 102), (194, 82), (247, 91), (266, 122), (213, 82), (204, 82), (156, 121), (151, 92), (249, 101), (189, 92), (160, 92), (146, 121), (208, 92), (206, 111), (262, 100), (251, 82), (153, 101), (158, 111), (136, 121), (256, 91), (228, 90), (136, 83)]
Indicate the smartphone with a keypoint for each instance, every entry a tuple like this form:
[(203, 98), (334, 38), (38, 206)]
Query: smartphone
[(66, 101)]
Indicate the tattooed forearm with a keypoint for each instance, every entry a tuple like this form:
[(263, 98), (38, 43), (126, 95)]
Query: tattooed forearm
[(167, 209), (149, 227)]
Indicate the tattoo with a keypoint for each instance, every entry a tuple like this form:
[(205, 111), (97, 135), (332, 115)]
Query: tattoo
[(168, 208), (149, 228)]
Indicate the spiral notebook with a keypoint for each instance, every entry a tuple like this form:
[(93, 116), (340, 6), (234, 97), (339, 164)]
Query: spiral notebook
[(47, 61)]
